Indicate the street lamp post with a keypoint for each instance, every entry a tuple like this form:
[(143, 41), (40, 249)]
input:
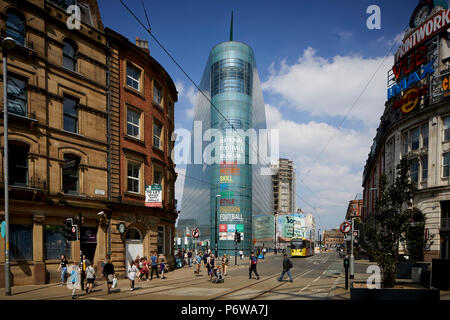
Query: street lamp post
[(216, 233), (7, 44)]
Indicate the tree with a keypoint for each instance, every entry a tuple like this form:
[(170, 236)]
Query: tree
[(389, 225)]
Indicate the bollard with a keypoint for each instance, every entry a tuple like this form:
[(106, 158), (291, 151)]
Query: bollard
[(346, 266)]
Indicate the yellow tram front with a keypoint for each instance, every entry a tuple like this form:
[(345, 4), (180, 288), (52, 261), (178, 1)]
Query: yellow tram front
[(301, 247)]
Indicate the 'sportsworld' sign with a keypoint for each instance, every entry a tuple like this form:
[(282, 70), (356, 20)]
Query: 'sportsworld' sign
[(425, 31)]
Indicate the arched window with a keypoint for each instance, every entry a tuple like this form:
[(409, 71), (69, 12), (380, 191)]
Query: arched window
[(133, 234), (15, 27), (69, 55), (70, 173)]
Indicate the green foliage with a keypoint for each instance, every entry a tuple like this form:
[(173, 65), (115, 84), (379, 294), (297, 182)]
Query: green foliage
[(388, 226)]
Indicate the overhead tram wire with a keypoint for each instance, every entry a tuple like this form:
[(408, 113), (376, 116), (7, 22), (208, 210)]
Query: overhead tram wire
[(190, 79), (350, 110)]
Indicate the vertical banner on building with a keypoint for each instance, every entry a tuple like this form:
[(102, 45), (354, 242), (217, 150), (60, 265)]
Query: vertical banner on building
[(153, 196)]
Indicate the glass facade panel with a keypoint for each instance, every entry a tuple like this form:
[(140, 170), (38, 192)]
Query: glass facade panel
[(55, 244), (21, 242)]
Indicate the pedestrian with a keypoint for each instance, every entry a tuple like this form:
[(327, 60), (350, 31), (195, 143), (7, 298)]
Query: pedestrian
[(241, 253), (186, 258), (189, 257), (132, 272), (145, 269), (211, 266), (108, 273), (224, 264), (83, 265), (63, 268), (253, 262), (73, 282), (163, 268), (90, 278), (154, 265), (198, 262), (287, 265)]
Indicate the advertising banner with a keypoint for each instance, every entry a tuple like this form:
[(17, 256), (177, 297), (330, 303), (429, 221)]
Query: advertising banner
[(240, 228), (231, 228), (222, 228), (153, 196), (223, 236)]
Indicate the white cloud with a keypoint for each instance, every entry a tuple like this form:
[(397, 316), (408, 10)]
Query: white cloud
[(333, 179), (187, 96), (329, 87)]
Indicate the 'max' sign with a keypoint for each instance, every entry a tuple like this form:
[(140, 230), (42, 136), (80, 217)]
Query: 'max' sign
[(407, 82)]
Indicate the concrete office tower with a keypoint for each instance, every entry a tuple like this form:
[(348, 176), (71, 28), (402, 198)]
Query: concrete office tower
[(227, 181), (284, 187)]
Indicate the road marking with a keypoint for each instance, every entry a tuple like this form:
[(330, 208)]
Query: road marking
[(316, 279), (305, 288)]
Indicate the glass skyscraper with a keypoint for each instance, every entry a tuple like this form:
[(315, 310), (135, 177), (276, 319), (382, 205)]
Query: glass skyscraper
[(226, 180)]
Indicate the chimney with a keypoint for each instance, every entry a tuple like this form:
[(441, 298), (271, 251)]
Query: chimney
[(143, 44)]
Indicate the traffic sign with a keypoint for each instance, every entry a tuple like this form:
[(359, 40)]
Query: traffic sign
[(345, 227), (195, 233), (355, 233)]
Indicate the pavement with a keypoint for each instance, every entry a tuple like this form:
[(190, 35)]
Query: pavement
[(56, 291)]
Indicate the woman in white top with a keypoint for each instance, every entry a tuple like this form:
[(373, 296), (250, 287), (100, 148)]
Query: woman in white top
[(132, 272), (90, 277)]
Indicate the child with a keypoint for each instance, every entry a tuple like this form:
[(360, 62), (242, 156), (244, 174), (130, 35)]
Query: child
[(132, 272), (163, 267), (73, 282)]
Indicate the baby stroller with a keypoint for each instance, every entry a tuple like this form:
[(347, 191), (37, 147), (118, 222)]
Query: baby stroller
[(217, 276)]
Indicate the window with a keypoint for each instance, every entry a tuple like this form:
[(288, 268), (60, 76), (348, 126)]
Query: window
[(55, 244), (231, 75), (157, 94), (133, 76), (447, 128), (70, 174), (414, 170), (405, 143), (425, 136), (133, 177), (157, 135), (17, 96), (133, 119), (21, 242), (157, 175), (424, 169), (161, 240), (446, 164), (18, 165), (415, 139), (63, 3), (69, 55), (15, 28), (70, 115)]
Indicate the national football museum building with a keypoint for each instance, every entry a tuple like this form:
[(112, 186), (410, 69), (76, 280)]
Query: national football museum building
[(227, 187)]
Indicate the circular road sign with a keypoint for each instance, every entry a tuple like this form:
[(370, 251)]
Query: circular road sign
[(195, 233), (345, 227)]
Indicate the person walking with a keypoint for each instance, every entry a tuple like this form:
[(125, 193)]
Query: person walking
[(83, 265), (108, 273), (163, 268), (253, 263), (211, 266), (90, 278), (189, 257), (197, 262), (154, 265), (63, 268), (241, 253), (145, 269), (73, 282), (132, 272), (224, 264), (287, 265)]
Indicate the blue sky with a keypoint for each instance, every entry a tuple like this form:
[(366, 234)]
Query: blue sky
[(314, 58)]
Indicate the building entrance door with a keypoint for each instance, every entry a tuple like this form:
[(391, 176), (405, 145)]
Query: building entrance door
[(133, 246)]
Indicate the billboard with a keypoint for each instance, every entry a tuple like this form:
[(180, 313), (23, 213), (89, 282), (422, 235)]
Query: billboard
[(294, 225)]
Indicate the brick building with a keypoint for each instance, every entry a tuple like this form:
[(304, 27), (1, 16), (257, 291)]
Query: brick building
[(142, 122), (355, 207), (332, 237), (58, 144)]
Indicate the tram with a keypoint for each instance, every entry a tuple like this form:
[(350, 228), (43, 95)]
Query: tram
[(302, 247)]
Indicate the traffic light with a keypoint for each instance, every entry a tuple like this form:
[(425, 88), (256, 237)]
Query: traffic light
[(238, 237), (70, 230)]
